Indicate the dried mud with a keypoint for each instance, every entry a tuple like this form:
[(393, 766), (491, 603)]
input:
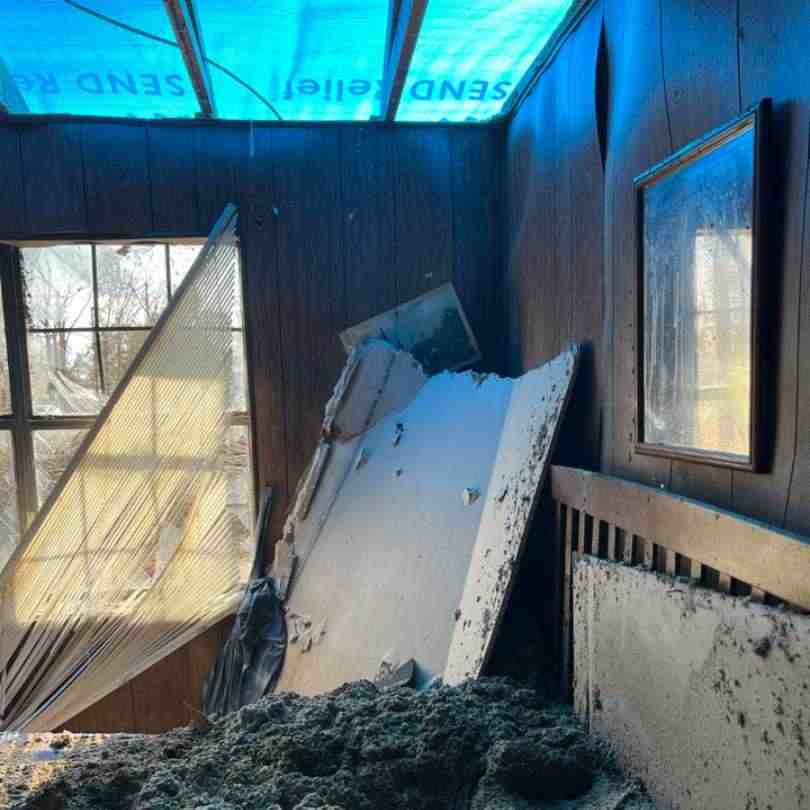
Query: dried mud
[(486, 745)]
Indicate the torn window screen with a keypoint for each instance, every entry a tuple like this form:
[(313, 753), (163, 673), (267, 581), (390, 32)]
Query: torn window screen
[(141, 545)]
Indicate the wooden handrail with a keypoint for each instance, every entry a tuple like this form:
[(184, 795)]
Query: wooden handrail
[(769, 559)]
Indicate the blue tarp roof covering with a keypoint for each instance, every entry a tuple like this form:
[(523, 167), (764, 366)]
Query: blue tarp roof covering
[(296, 60)]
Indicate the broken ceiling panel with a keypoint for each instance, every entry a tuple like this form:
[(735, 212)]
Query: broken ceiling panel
[(395, 514)]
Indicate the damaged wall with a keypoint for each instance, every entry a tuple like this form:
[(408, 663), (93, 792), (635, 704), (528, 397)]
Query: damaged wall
[(337, 223), (704, 696), (668, 72)]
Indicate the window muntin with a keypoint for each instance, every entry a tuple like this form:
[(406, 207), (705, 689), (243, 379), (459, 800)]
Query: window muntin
[(8, 498), (87, 311)]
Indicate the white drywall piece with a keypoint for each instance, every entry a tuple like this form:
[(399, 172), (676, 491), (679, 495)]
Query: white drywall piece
[(387, 567), (536, 408), (376, 381), (393, 526), (704, 696)]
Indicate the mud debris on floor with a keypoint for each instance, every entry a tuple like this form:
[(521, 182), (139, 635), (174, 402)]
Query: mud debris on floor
[(485, 745)]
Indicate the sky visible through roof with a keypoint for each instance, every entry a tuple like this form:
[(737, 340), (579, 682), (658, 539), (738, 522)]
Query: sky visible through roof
[(294, 60)]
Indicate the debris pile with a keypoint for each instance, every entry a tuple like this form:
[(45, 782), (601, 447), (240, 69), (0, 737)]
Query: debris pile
[(486, 745)]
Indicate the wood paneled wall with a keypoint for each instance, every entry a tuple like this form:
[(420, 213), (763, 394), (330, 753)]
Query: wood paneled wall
[(636, 81), (337, 223)]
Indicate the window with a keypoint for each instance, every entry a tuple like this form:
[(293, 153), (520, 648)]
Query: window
[(79, 315)]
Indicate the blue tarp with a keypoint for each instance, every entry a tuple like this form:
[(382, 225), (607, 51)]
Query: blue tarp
[(298, 60)]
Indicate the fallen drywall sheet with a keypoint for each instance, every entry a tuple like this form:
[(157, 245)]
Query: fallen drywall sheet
[(529, 434), (384, 551), (706, 697)]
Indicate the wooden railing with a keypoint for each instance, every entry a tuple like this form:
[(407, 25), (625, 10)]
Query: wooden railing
[(620, 520)]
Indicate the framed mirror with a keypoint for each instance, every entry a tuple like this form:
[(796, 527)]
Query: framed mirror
[(699, 235)]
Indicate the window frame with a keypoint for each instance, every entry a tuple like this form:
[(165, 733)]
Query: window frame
[(22, 423)]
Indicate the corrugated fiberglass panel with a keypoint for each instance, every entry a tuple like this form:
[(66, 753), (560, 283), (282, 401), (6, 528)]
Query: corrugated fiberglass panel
[(471, 55), (298, 60)]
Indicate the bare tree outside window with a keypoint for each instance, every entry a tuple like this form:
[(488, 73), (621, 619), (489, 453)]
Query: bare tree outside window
[(88, 310)]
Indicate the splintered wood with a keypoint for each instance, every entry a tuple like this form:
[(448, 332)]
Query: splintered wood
[(536, 409)]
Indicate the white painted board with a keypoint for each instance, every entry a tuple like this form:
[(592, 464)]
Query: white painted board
[(536, 408)]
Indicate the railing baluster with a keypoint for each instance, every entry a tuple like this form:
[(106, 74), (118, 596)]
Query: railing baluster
[(567, 606), (611, 541), (669, 562), (581, 534)]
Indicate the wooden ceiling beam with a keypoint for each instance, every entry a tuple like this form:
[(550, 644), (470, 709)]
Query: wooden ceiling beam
[(181, 13), (11, 100), (405, 22)]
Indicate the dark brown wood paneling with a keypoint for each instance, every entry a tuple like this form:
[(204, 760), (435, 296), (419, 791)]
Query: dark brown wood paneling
[(113, 713), (477, 202), (424, 212), (583, 270), (220, 154), (368, 170), (174, 200), (116, 171), (798, 507), (638, 137), (555, 184), (160, 695), (309, 240), (699, 48), (54, 178), (774, 61), (12, 194), (519, 162), (202, 652), (262, 306)]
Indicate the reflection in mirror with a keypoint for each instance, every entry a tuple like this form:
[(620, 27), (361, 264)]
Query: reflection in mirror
[(697, 308)]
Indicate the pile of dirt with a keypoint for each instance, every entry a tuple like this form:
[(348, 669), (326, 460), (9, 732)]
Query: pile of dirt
[(486, 745)]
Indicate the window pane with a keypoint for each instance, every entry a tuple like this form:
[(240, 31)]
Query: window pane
[(64, 373), (131, 284), (53, 450), (58, 286), (118, 350), (181, 257), (8, 499), (238, 376)]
